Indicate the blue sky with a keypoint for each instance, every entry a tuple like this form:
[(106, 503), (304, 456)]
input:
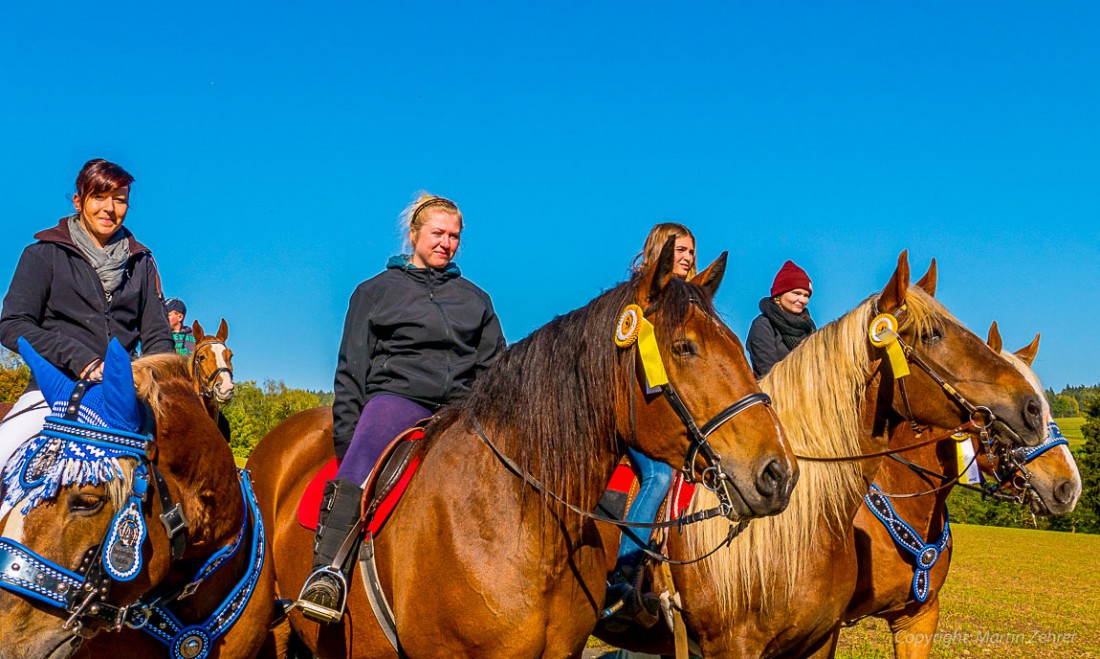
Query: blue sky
[(274, 145)]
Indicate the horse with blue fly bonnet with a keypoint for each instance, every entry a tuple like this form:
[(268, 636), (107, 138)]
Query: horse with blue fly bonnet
[(898, 359), (487, 555), (131, 532)]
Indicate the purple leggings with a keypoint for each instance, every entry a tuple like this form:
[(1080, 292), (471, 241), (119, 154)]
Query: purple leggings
[(383, 418)]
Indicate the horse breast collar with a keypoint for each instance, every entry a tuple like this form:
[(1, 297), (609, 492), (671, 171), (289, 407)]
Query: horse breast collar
[(906, 537), (195, 641)]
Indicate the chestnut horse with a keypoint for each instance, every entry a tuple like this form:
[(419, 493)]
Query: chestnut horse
[(477, 561), (785, 582), (885, 588), (211, 367), (130, 518)]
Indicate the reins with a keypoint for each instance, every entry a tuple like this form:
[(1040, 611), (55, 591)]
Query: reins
[(537, 485), (970, 425)]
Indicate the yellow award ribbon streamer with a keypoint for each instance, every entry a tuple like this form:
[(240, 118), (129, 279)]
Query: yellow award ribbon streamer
[(883, 334), (651, 355)]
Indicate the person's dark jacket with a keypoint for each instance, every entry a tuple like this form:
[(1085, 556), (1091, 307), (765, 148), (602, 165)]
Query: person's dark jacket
[(774, 334), (57, 303), (765, 345), (419, 333)]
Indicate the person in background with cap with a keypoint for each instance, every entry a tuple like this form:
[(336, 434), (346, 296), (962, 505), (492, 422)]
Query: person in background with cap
[(181, 334), (784, 321)]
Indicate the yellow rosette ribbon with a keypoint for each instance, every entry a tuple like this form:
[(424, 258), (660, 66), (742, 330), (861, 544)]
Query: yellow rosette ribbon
[(884, 334), (633, 327)]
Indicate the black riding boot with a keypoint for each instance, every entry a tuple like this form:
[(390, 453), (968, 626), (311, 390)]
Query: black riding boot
[(325, 591)]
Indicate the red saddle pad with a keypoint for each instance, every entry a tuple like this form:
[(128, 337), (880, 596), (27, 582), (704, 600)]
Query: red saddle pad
[(309, 506), (624, 478)]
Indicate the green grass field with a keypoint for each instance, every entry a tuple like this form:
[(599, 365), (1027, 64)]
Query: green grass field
[(1011, 593), (1071, 428)]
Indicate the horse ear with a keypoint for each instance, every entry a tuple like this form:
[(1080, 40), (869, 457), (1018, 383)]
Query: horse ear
[(223, 331), (656, 276), (118, 385), (196, 329), (994, 338), (55, 385), (1027, 353), (927, 283), (711, 278), (893, 296)]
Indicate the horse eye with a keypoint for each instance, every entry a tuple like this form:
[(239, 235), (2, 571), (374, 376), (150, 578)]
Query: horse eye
[(685, 348), (932, 335), (86, 503), (202, 358)]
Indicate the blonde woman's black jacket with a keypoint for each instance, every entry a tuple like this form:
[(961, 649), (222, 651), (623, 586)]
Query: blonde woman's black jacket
[(57, 303), (419, 333)]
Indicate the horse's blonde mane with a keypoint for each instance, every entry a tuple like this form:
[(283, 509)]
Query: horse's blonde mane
[(151, 369), (818, 392)]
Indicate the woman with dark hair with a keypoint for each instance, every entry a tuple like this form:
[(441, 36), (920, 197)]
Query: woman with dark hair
[(784, 320), (83, 282), (414, 338)]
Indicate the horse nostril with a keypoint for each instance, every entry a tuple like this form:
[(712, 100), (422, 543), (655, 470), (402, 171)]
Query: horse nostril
[(1063, 493), (770, 478)]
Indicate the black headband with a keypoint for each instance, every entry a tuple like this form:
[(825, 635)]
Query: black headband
[(434, 201)]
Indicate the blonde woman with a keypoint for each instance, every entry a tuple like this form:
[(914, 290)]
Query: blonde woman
[(654, 478), (414, 338)]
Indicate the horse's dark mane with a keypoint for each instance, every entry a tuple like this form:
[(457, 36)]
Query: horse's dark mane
[(549, 401)]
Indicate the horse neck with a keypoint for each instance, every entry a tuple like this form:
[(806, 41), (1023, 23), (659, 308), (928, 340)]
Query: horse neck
[(594, 470), (923, 513)]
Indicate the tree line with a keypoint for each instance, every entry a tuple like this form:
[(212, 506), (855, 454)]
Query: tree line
[(257, 408), (1072, 401)]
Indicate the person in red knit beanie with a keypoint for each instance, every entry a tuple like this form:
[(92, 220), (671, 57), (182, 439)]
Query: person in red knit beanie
[(784, 320)]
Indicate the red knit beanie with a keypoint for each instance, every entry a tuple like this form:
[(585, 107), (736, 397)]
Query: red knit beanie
[(790, 277)]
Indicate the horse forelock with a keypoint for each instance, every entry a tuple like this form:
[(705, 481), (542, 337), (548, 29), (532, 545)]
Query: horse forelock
[(550, 400)]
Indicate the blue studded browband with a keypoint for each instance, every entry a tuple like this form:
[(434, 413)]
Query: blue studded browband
[(926, 554)]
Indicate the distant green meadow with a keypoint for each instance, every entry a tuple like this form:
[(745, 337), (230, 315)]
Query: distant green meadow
[(1071, 428), (1011, 593)]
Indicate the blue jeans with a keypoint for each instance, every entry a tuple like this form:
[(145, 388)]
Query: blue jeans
[(654, 480)]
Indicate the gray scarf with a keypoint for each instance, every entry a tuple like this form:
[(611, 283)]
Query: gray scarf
[(109, 262)]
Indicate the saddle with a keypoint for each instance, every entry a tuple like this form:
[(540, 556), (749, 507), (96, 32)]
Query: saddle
[(388, 481), (650, 586)]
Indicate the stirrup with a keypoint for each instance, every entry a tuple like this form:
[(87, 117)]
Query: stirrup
[(324, 595)]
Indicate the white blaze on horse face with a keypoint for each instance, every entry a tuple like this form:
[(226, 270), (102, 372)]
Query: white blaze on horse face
[(224, 384)]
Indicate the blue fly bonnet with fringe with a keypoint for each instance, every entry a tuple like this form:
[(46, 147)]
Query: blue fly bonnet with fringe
[(92, 428)]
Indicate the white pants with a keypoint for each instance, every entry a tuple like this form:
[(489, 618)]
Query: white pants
[(23, 422)]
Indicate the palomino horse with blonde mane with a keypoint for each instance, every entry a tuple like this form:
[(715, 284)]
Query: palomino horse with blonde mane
[(910, 517), (131, 532), (482, 557), (784, 583)]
